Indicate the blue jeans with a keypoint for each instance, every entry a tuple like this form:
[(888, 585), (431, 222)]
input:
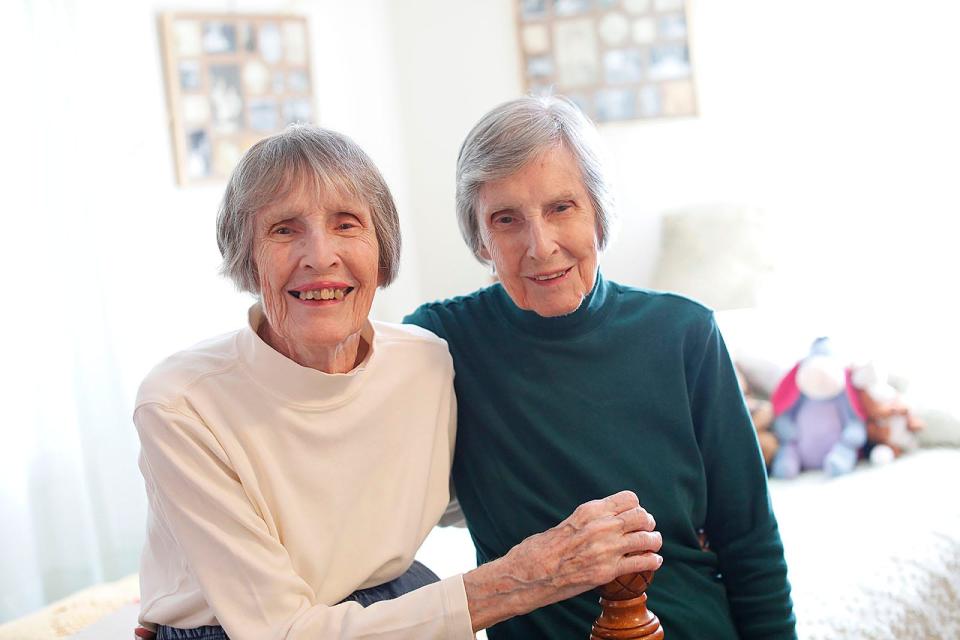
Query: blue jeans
[(414, 578)]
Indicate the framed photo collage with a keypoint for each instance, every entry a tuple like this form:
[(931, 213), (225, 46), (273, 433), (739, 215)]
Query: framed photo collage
[(617, 59), (231, 80)]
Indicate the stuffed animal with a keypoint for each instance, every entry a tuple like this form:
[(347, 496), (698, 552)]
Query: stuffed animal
[(891, 427), (761, 413), (819, 421)]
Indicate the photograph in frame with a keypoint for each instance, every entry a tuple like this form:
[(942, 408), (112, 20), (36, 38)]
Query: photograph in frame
[(617, 59), (231, 79)]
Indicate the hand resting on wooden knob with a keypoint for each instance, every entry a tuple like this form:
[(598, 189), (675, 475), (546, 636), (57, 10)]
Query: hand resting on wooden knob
[(599, 542)]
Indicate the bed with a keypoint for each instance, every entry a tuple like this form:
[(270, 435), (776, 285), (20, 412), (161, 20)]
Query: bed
[(105, 612), (876, 553)]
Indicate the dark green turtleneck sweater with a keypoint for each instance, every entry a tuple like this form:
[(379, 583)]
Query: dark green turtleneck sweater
[(634, 390)]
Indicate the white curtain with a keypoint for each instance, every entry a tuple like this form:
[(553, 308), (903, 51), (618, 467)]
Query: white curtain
[(71, 505), (107, 267)]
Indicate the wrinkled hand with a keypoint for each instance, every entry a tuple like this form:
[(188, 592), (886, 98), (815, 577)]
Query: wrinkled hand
[(600, 541)]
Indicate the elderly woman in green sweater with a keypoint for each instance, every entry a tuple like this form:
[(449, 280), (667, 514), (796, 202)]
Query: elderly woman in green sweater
[(570, 386)]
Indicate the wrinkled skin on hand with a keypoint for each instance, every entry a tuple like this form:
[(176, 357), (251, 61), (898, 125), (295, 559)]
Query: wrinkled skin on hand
[(600, 541)]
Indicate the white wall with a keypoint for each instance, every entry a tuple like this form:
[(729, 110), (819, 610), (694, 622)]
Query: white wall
[(836, 118), (454, 61), (840, 114), (97, 143), (832, 116)]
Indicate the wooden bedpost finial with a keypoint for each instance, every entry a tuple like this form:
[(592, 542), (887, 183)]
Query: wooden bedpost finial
[(625, 615)]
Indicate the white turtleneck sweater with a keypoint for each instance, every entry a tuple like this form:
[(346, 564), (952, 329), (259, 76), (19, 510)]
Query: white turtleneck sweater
[(277, 490)]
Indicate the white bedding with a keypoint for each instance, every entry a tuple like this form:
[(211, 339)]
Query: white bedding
[(875, 554)]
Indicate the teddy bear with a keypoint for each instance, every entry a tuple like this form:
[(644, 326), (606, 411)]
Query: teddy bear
[(891, 426), (819, 420), (761, 413)]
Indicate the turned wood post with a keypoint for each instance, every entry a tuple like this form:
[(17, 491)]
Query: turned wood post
[(625, 615)]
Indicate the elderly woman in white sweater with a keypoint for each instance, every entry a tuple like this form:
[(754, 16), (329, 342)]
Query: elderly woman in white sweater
[(294, 467)]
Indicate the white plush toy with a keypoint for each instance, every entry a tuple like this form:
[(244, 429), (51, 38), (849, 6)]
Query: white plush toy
[(891, 427)]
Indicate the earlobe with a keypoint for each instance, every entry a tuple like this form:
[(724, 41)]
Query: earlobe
[(483, 253)]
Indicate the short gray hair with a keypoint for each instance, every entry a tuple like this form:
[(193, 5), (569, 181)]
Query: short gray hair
[(275, 166), (511, 135)]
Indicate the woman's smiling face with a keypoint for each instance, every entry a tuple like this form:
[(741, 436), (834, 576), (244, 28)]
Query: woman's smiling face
[(316, 254), (539, 228)]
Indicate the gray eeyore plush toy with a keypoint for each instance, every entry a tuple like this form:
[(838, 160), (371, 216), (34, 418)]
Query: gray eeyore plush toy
[(820, 421)]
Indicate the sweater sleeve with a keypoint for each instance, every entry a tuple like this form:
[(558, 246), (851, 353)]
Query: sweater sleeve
[(740, 524), (425, 318), (245, 573)]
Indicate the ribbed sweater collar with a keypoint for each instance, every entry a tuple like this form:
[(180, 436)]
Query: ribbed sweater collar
[(294, 383), (591, 312)]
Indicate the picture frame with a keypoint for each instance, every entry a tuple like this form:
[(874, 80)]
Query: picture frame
[(617, 60), (231, 79)]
